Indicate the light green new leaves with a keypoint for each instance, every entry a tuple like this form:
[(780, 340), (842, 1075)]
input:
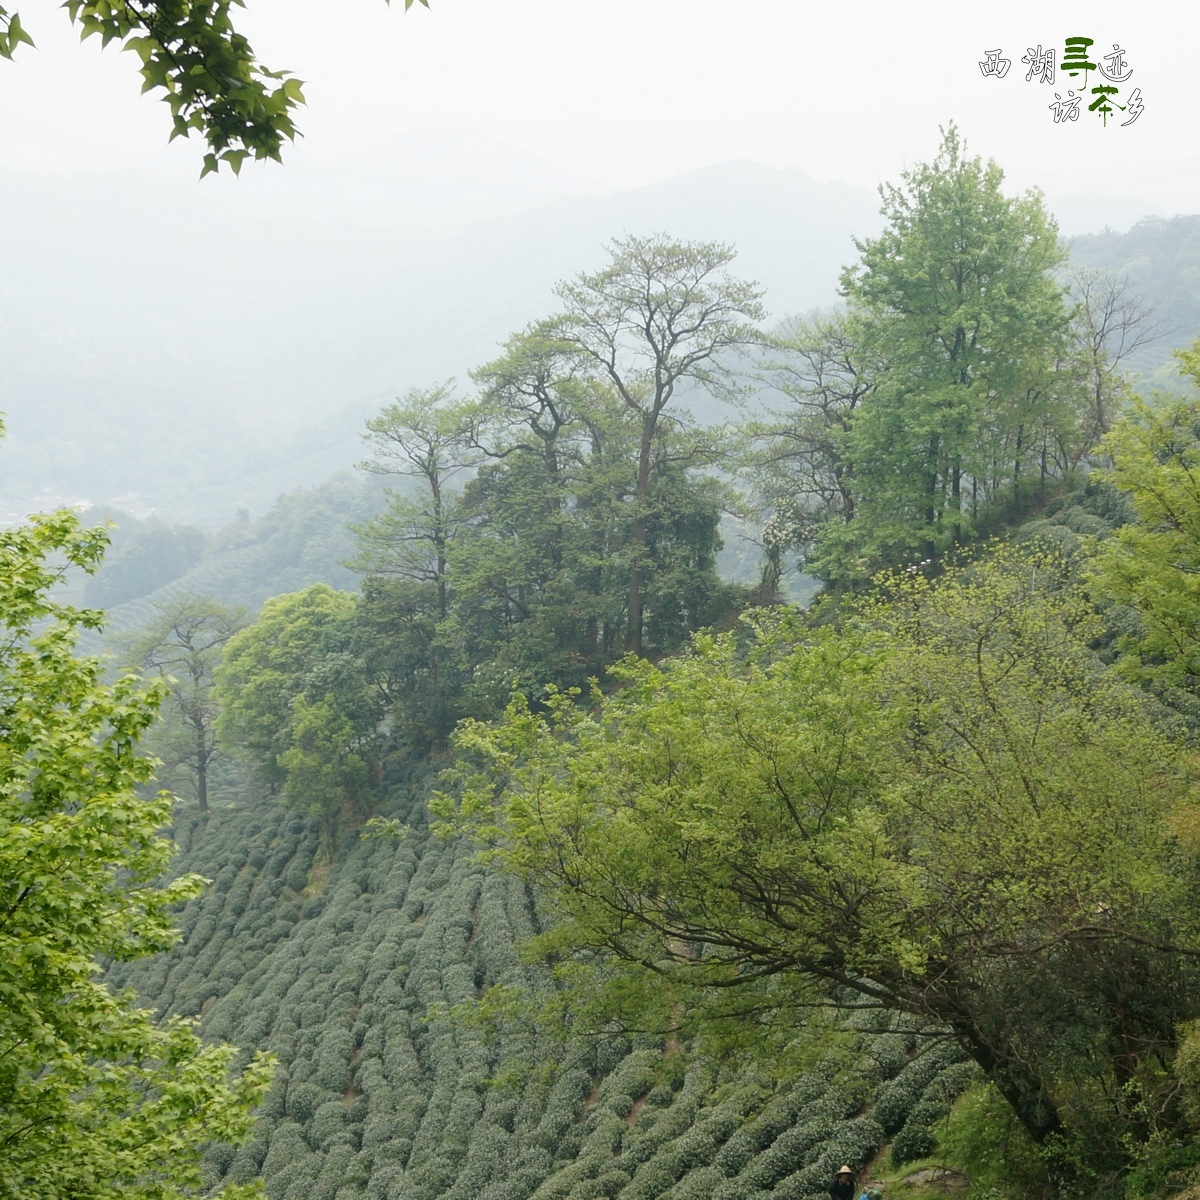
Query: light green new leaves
[(944, 805), (1153, 564), (265, 668), (96, 1099), (710, 819), (291, 691)]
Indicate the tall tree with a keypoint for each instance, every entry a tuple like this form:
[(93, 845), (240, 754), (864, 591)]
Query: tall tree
[(825, 367), (530, 425), (182, 645), (521, 589), (293, 691), (267, 665), (1110, 323), (662, 316), (97, 1098), (944, 807), (553, 513), (969, 317), (426, 439), (523, 574), (422, 437)]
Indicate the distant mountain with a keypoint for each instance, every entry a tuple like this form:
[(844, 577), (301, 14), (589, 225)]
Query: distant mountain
[(162, 345), (431, 179), (190, 350)]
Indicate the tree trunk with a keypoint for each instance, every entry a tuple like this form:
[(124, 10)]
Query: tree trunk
[(956, 493), (1017, 469), (201, 770), (633, 639), (1023, 1088)]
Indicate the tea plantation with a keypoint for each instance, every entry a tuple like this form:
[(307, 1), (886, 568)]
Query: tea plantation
[(348, 972)]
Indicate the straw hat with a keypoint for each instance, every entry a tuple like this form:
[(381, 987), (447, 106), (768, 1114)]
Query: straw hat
[(844, 1171)]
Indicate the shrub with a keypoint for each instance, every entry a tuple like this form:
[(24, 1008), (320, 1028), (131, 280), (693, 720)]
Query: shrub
[(302, 1101), (982, 1137), (913, 1142), (329, 1122)]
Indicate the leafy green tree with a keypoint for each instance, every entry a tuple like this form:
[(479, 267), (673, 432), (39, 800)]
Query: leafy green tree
[(529, 604), (425, 438), (538, 423), (524, 574), (292, 691), (183, 646), (1152, 564), (660, 317), (944, 807), (825, 367), (966, 312), (97, 1099), (265, 666), (328, 761), (544, 568)]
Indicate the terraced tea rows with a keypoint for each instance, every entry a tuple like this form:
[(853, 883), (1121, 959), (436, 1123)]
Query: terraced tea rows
[(346, 974)]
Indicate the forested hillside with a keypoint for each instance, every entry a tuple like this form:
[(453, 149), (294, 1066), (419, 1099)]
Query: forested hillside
[(303, 538), (551, 865)]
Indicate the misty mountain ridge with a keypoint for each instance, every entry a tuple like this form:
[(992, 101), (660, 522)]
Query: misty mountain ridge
[(232, 350)]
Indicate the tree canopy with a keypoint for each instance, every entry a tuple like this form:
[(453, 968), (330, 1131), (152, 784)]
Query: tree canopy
[(953, 392), (930, 808), (97, 1099)]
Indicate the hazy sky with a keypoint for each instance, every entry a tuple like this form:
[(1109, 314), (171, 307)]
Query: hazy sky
[(625, 92)]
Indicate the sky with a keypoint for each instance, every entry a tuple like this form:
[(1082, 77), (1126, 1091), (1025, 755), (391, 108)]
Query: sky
[(612, 94)]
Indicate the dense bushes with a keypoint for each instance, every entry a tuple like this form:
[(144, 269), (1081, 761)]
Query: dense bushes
[(379, 1096)]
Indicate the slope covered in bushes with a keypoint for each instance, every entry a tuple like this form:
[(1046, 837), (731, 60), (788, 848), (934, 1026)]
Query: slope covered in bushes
[(346, 973)]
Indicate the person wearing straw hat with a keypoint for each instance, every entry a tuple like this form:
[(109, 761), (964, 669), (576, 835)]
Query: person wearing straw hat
[(842, 1187)]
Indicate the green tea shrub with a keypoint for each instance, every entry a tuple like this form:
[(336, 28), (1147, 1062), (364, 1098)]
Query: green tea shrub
[(983, 1138)]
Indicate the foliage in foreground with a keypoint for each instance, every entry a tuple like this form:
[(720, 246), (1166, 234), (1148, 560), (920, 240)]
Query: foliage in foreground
[(208, 74), (96, 1098), (945, 806)]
